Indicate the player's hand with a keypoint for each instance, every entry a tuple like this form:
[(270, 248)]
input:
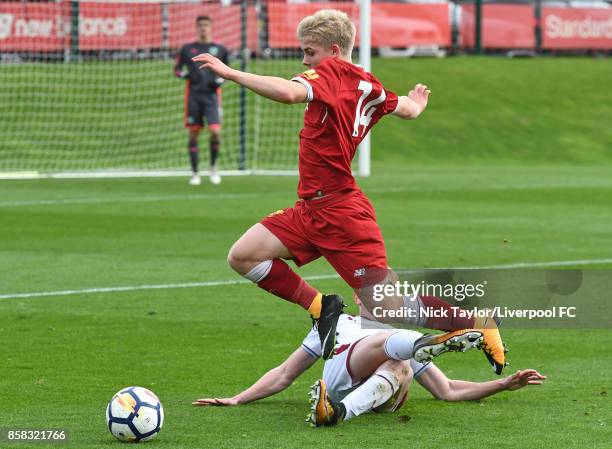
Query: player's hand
[(209, 62), (215, 402), (420, 95), (523, 378)]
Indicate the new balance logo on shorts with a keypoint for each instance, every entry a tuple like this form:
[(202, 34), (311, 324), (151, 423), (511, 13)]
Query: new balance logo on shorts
[(359, 272)]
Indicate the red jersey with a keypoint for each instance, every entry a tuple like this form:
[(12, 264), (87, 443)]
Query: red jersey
[(344, 103)]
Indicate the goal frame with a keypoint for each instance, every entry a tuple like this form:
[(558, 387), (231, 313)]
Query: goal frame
[(362, 167)]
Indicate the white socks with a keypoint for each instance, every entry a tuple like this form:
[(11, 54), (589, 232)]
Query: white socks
[(375, 391), (259, 271), (383, 384), (400, 345)]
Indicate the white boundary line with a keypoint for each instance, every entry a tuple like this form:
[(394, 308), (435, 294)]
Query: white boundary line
[(129, 288), (557, 263), (230, 196), (21, 175), (142, 199), (156, 198)]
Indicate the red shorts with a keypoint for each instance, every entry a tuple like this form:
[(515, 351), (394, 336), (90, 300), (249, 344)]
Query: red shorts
[(340, 227)]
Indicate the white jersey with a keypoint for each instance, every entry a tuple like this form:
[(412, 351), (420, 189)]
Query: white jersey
[(350, 330)]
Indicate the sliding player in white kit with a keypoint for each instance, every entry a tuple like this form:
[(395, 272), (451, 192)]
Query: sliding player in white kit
[(372, 368)]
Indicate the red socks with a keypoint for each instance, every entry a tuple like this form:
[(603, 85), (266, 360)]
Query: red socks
[(283, 282)]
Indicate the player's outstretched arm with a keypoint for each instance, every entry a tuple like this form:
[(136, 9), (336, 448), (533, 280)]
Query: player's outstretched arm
[(274, 381), (447, 389), (272, 87), (178, 66), (411, 106)]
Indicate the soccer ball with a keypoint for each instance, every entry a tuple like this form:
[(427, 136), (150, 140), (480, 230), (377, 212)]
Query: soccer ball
[(134, 414)]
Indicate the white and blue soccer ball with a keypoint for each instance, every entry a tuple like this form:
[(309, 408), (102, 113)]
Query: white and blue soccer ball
[(134, 414)]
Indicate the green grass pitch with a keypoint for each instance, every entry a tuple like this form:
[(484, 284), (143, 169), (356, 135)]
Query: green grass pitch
[(490, 176), (128, 114), (64, 356)]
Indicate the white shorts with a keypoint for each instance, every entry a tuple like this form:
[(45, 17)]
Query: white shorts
[(339, 379), (336, 372)]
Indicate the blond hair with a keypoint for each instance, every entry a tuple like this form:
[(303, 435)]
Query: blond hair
[(327, 27)]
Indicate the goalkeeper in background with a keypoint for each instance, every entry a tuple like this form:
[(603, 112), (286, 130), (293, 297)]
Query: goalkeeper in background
[(202, 96)]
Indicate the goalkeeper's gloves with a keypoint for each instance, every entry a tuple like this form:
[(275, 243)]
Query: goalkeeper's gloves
[(217, 82)]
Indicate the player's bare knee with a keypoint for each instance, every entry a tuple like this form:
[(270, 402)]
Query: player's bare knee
[(231, 259), (400, 368), (243, 258), (399, 374), (239, 259), (403, 371)]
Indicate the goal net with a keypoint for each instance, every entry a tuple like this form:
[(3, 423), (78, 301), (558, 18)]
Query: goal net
[(88, 87)]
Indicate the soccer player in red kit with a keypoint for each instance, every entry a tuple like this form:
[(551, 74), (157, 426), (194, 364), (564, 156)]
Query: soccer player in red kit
[(333, 217)]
